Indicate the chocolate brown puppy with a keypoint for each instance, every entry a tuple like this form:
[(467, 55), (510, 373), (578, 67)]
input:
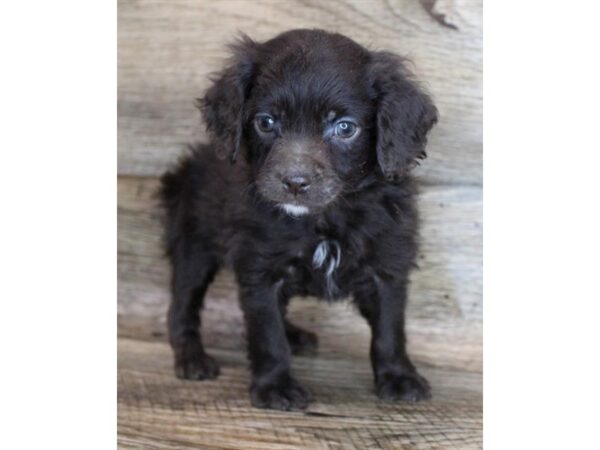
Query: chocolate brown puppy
[(315, 198)]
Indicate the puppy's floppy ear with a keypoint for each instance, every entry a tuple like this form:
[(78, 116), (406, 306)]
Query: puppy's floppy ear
[(223, 103), (405, 114)]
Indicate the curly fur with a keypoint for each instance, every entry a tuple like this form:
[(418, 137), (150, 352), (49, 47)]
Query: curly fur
[(352, 234)]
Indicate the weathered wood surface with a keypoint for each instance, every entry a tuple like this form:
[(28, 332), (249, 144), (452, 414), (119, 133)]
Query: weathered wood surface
[(166, 50), (158, 411), (444, 313)]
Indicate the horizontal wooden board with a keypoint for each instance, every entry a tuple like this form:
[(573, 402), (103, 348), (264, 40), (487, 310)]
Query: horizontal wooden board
[(445, 296), (166, 49), (158, 411)]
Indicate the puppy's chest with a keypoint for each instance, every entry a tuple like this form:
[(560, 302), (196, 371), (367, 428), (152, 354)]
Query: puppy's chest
[(322, 268)]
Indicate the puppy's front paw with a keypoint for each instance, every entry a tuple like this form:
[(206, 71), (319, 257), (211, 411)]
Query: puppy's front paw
[(404, 387), (284, 393), (196, 366)]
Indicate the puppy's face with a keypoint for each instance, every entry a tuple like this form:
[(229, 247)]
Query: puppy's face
[(308, 122), (316, 114)]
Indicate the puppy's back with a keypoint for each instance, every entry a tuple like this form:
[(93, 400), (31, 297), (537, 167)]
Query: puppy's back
[(199, 195)]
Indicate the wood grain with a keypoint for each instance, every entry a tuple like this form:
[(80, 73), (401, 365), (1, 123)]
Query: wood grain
[(167, 49), (158, 411), (444, 313)]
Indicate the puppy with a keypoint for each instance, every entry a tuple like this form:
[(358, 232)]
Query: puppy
[(316, 199)]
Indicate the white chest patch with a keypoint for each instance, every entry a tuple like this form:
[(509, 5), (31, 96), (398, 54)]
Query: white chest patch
[(327, 256)]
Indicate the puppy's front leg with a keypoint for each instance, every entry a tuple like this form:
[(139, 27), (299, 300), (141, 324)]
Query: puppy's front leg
[(383, 304), (270, 358)]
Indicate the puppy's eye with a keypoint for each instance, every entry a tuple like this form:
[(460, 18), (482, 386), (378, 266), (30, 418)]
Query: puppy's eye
[(345, 129), (264, 123)]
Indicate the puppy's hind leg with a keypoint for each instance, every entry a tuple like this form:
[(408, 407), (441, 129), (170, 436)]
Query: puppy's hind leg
[(302, 342), (193, 271)]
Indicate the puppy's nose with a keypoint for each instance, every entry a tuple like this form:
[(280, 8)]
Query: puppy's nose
[(296, 184)]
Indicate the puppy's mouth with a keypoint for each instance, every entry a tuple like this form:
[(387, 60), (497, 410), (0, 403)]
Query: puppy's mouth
[(294, 209), (296, 202), (301, 206)]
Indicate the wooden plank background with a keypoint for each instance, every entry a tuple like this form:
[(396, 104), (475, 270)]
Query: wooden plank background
[(166, 51)]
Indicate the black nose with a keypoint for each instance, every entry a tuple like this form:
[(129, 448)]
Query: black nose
[(296, 184)]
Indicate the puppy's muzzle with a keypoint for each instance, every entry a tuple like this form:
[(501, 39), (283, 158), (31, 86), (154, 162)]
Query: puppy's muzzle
[(297, 175)]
